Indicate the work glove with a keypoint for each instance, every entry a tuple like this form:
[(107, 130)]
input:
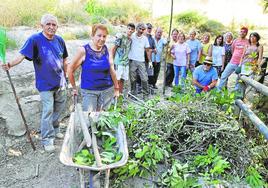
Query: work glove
[(206, 88), (150, 65)]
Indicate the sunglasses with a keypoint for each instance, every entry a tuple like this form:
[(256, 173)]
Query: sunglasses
[(208, 64), (142, 29)]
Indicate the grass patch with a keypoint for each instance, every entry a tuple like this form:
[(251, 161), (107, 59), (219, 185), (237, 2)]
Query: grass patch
[(11, 44), (29, 12)]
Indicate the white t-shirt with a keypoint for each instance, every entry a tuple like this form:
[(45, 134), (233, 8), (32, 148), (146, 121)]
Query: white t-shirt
[(217, 53), (180, 51), (137, 48)]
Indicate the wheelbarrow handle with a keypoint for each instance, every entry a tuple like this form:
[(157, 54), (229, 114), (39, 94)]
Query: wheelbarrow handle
[(75, 99), (115, 102)]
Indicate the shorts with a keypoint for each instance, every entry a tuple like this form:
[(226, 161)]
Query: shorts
[(122, 72)]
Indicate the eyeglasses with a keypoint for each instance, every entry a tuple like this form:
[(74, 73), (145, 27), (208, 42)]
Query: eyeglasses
[(208, 64)]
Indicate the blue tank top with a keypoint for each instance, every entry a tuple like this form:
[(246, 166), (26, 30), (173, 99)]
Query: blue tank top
[(96, 69)]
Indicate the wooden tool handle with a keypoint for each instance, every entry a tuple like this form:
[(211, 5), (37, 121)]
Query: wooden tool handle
[(83, 125)]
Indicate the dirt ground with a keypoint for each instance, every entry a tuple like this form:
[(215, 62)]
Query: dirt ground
[(22, 167)]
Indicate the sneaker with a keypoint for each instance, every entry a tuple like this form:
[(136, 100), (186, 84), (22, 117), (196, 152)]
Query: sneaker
[(59, 135), (49, 148)]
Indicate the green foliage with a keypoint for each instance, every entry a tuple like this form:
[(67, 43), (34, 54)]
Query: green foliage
[(84, 157), (225, 99), (144, 159), (186, 20), (11, 44), (211, 165), (71, 12), (68, 36), (212, 26), (179, 176), (189, 18), (254, 179), (116, 11), (29, 12)]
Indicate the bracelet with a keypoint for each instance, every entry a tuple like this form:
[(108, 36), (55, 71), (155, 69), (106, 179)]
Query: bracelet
[(116, 87)]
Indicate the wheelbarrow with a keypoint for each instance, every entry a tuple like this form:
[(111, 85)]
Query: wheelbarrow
[(77, 136)]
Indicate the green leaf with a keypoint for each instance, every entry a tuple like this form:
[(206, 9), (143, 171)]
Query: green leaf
[(139, 153), (158, 155)]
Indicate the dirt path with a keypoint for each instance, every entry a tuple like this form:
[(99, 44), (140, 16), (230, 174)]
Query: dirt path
[(21, 171)]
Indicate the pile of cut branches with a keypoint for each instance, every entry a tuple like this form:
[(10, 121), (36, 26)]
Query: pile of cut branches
[(190, 127)]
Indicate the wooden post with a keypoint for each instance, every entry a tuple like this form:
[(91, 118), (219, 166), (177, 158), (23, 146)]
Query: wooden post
[(165, 59)]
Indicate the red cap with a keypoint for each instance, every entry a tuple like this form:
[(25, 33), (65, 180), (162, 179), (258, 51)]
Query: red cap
[(244, 28)]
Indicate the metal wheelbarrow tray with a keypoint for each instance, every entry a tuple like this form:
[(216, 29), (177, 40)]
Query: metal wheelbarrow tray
[(74, 137)]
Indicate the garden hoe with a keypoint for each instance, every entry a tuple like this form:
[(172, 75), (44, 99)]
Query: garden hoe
[(3, 42)]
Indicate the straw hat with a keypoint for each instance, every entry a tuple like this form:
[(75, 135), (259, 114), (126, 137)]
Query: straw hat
[(208, 60)]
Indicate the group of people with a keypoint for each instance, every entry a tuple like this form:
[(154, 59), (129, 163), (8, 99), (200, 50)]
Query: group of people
[(210, 61), (136, 55)]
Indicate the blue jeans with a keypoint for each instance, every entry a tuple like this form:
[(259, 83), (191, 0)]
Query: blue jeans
[(177, 70), (53, 103), (96, 100), (230, 68)]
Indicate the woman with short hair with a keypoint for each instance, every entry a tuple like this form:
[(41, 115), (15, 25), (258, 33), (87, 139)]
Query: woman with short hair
[(98, 77)]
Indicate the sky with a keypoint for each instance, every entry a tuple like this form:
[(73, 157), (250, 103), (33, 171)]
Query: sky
[(242, 11)]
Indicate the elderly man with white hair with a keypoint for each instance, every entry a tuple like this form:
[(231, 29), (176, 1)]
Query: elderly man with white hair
[(49, 55)]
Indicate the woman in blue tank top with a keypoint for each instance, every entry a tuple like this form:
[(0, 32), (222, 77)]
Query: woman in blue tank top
[(98, 75)]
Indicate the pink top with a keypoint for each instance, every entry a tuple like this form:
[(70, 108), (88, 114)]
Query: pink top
[(238, 46), (180, 51)]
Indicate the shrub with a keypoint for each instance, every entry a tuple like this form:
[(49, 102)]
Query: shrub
[(188, 20), (212, 26), (117, 12)]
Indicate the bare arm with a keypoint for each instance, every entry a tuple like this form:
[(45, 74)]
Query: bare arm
[(76, 62), (210, 50), (223, 60), (242, 57), (260, 50), (199, 54), (149, 53), (213, 84), (13, 63), (196, 83), (113, 75), (112, 52), (188, 60)]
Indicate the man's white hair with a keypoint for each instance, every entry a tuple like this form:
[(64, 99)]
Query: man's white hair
[(47, 17)]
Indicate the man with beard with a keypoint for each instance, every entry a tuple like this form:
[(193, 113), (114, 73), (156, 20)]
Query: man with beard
[(205, 76)]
